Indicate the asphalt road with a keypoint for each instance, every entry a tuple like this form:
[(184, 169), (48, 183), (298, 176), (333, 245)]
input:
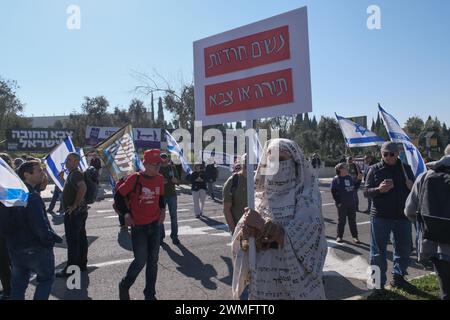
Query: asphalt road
[(201, 268)]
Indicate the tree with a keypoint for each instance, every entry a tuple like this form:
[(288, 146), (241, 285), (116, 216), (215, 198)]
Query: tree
[(180, 105), (160, 121), (414, 126), (153, 109), (121, 117), (330, 137), (10, 108), (373, 127), (96, 111), (308, 140), (314, 123), (138, 114)]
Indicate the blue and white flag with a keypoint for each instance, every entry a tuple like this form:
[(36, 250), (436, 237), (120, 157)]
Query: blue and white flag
[(13, 191), (257, 149), (357, 136), (83, 162), (174, 148), (396, 134), (56, 162)]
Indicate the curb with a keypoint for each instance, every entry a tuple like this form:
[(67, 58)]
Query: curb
[(369, 292)]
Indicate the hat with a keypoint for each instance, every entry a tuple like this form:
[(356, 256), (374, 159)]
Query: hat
[(152, 156), (389, 147)]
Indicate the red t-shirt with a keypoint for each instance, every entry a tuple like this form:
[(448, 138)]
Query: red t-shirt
[(144, 204)]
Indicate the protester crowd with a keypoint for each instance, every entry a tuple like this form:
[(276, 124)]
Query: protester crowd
[(286, 222)]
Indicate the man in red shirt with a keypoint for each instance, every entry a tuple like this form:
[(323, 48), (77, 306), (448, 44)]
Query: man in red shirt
[(140, 199)]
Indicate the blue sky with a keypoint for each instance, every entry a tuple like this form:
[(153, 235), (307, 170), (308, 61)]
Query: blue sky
[(405, 65)]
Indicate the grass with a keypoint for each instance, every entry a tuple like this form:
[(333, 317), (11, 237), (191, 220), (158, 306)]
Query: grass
[(426, 288)]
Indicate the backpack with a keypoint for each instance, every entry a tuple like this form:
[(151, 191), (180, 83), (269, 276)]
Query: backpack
[(434, 206), (91, 180), (121, 182)]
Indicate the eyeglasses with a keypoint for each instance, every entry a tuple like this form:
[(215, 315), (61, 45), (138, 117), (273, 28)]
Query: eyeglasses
[(387, 154)]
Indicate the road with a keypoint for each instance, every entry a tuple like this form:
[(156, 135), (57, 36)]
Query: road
[(201, 268)]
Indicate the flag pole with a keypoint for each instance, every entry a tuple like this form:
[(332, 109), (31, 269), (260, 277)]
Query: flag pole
[(249, 124)]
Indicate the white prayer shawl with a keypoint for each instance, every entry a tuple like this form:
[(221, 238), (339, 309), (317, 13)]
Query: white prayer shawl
[(293, 201)]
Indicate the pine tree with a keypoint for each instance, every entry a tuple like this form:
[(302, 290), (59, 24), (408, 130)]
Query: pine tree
[(160, 119), (306, 122), (314, 123), (153, 110), (299, 119), (373, 127)]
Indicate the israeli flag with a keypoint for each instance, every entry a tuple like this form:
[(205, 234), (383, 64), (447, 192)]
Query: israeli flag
[(357, 136), (83, 163), (56, 162), (174, 148), (396, 134), (13, 191), (257, 149)]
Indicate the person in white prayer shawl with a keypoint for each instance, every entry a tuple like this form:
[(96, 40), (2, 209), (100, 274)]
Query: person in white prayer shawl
[(286, 260)]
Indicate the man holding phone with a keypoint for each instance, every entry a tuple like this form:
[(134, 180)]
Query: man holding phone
[(388, 184)]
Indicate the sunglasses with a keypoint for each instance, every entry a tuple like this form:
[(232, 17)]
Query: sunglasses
[(389, 154)]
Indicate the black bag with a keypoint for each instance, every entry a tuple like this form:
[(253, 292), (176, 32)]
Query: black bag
[(91, 180), (434, 206)]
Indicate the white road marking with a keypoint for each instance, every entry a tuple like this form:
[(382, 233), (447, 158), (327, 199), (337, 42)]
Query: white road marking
[(110, 263), (105, 211), (363, 223)]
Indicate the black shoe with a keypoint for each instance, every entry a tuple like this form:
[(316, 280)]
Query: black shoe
[(124, 293), (176, 241), (378, 294), (400, 282), (161, 242)]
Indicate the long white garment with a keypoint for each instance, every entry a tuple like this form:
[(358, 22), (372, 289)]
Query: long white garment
[(292, 199), (199, 198)]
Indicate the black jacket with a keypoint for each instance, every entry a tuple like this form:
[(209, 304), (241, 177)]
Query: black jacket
[(389, 205), (32, 228), (197, 185)]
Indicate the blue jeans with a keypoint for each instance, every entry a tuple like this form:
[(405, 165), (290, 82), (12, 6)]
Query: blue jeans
[(38, 260), (381, 229), (171, 202), (145, 240)]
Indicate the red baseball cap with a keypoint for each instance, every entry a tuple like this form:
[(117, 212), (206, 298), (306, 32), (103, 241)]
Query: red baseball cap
[(152, 156)]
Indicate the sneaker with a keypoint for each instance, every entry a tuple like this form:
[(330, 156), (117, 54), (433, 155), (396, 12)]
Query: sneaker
[(356, 240), (400, 282), (339, 240), (176, 241), (124, 293), (378, 293)]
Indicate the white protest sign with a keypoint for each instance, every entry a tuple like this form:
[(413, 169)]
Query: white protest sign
[(257, 71)]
